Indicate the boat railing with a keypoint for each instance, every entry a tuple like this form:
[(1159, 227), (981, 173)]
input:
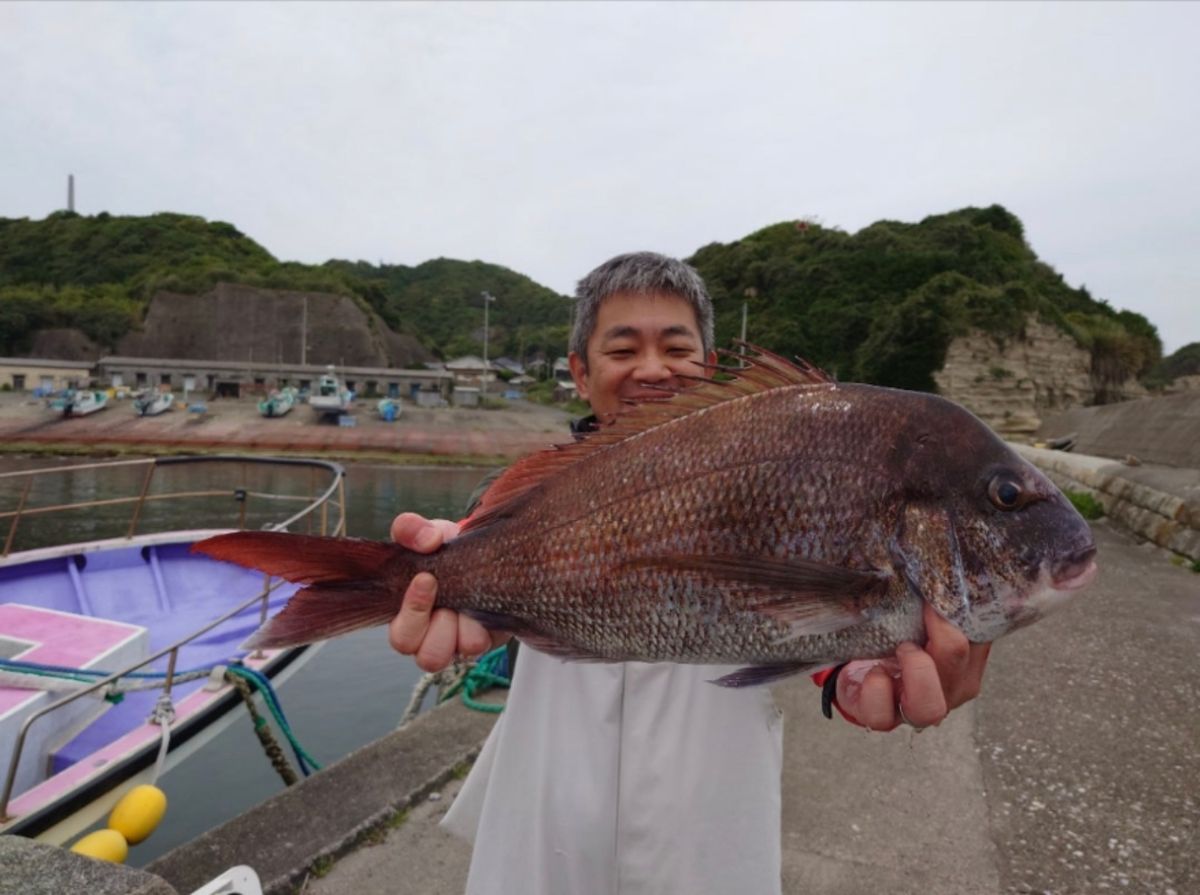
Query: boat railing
[(171, 651), (316, 513)]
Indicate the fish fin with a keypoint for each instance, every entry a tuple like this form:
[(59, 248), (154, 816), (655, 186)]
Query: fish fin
[(327, 610), (523, 631), (764, 371), (812, 597), (304, 559), (754, 675)]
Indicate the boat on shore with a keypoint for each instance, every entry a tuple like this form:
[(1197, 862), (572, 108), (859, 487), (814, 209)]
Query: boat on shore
[(330, 398), (79, 402), (152, 403), (389, 409), (278, 402), (119, 648)]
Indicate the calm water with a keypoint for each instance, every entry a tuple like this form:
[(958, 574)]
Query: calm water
[(349, 693)]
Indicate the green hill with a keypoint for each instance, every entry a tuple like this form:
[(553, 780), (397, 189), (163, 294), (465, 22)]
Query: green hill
[(882, 305), (1184, 362), (441, 302)]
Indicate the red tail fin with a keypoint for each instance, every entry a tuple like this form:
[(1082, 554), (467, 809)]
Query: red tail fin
[(352, 583), (327, 610), (304, 559)]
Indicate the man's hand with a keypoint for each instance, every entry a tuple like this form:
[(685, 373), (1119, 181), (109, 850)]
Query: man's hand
[(433, 636), (926, 683)]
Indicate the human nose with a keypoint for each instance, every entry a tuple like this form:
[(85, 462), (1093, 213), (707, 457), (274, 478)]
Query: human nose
[(652, 367)]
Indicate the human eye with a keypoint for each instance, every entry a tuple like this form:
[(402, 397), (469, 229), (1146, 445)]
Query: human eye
[(619, 352)]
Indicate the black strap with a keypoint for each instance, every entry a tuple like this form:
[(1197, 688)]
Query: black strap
[(829, 691)]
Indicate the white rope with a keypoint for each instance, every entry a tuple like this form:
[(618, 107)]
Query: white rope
[(163, 715)]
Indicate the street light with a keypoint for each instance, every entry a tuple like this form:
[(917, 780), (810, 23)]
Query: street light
[(488, 298)]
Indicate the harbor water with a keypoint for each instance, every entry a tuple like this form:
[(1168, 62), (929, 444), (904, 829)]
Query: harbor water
[(350, 692)]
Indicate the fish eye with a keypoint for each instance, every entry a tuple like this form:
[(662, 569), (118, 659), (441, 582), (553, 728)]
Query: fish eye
[(1005, 493)]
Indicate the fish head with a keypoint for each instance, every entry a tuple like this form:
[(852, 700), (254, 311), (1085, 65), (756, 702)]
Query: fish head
[(983, 535)]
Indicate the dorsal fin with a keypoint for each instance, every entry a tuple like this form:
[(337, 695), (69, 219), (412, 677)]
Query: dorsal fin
[(764, 371)]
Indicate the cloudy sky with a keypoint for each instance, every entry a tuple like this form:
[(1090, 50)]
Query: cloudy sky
[(547, 137)]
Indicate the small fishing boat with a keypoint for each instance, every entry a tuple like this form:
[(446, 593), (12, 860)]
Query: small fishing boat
[(151, 403), (329, 397), (278, 402), (389, 409), (79, 402), (119, 648)]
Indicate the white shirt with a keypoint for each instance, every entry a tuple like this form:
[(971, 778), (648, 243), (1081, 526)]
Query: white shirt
[(625, 779)]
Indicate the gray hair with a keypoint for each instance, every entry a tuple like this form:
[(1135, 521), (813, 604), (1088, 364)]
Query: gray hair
[(642, 273)]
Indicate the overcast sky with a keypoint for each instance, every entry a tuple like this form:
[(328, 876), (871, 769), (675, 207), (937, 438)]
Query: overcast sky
[(548, 137)]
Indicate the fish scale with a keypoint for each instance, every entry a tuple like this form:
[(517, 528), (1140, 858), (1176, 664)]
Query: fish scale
[(782, 522)]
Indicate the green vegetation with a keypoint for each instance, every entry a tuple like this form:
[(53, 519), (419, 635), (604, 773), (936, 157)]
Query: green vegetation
[(1184, 362), (883, 304), (1087, 505), (441, 302)]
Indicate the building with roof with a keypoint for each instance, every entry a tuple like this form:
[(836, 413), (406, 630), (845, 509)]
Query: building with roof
[(43, 375)]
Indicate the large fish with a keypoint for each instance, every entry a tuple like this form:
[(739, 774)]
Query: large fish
[(780, 521)]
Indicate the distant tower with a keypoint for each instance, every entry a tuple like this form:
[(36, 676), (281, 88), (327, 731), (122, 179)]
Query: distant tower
[(70, 192)]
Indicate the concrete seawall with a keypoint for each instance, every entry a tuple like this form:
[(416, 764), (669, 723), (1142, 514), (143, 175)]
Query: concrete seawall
[(1162, 430), (1157, 504)]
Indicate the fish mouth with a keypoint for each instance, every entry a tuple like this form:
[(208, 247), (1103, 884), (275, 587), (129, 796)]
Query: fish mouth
[(1076, 571)]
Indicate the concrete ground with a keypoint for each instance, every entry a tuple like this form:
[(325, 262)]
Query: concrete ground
[(1076, 772)]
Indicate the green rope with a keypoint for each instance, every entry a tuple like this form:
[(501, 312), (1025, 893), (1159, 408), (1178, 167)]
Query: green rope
[(263, 686), (482, 676)]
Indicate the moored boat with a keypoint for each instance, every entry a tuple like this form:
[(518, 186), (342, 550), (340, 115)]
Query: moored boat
[(389, 409), (152, 403), (278, 402), (329, 397), (114, 648), (79, 402)]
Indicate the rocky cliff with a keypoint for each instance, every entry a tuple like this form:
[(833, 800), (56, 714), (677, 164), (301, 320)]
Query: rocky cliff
[(1012, 385), (233, 322)]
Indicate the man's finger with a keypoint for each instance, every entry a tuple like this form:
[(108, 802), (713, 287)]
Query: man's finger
[(921, 694), (473, 638), (950, 651), (441, 643), (866, 691), (411, 624), (416, 533)]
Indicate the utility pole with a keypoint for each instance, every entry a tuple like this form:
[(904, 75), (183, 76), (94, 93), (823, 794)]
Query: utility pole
[(749, 293), (304, 334), (488, 298), (70, 192)]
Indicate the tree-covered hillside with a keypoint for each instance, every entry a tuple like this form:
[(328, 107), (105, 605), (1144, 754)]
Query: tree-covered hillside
[(1184, 362), (883, 304), (880, 305), (441, 301), (98, 273)]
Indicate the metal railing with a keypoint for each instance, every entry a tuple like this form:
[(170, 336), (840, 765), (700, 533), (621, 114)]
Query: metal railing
[(324, 502)]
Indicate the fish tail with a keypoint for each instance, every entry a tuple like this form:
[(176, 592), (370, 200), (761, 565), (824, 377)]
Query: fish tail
[(351, 583)]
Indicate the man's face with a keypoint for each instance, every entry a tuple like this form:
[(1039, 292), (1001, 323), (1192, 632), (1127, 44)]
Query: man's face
[(639, 340)]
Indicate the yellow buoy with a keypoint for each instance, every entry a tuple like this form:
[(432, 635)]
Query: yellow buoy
[(103, 845), (138, 812)]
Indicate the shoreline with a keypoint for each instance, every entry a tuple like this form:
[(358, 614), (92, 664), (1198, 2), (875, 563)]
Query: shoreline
[(451, 436)]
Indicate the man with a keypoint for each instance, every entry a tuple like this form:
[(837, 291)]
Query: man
[(633, 777)]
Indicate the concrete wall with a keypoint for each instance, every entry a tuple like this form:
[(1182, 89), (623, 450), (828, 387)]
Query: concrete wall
[(1155, 430), (1157, 504)]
